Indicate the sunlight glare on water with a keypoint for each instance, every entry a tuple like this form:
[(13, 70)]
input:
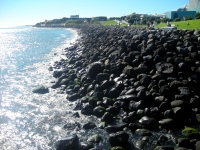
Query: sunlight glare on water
[(30, 121)]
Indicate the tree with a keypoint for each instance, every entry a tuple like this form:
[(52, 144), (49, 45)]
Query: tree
[(188, 18), (128, 17), (165, 20), (131, 21), (197, 16), (144, 21), (177, 19)]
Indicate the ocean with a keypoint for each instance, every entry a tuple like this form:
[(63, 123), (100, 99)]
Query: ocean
[(31, 121)]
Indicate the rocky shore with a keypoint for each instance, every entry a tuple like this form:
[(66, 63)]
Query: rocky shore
[(136, 82)]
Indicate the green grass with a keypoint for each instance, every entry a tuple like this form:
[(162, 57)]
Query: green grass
[(139, 26), (95, 22), (189, 24), (110, 22), (123, 24)]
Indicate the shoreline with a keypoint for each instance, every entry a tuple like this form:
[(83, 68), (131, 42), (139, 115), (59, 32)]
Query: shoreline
[(133, 82)]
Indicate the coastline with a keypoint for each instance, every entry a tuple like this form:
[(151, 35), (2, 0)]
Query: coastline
[(132, 83)]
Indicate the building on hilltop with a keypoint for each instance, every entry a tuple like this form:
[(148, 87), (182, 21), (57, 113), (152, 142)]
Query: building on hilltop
[(188, 10), (74, 16), (100, 18), (181, 14)]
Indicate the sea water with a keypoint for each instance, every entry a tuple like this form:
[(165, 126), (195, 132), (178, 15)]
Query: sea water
[(31, 121)]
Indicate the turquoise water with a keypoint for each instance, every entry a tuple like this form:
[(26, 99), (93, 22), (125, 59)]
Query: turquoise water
[(30, 121)]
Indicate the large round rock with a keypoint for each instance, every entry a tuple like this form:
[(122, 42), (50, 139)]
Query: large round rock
[(70, 143), (94, 69)]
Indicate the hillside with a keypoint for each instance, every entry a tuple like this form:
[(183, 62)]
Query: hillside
[(189, 24)]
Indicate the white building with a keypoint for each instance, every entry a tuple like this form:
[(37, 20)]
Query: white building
[(194, 5)]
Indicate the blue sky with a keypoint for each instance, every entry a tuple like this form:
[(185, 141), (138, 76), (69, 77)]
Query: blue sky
[(29, 12)]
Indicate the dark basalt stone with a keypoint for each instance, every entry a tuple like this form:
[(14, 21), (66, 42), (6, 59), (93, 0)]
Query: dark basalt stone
[(99, 111), (165, 68), (94, 69), (70, 143), (107, 117), (127, 98), (167, 123), (89, 125), (143, 132), (102, 76), (119, 139), (87, 109), (129, 70), (41, 90), (164, 148), (73, 97), (149, 123), (57, 73), (134, 106)]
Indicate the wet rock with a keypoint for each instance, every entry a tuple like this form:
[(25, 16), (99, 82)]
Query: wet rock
[(95, 138), (57, 73), (86, 146), (149, 123), (134, 106), (139, 144), (119, 139), (115, 128), (87, 109), (131, 92), (145, 81), (164, 106), (180, 148), (73, 97), (93, 101), (164, 148), (184, 90), (41, 90), (107, 117), (197, 145), (167, 123), (166, 91), (165, 68), (113, 110), (114, 93), (76, 114), (108, 101), (102, 76), (99, 111), (177, 103), (184, 142), (162, 138), (127, 98), (89, 125), (94, 69), (143, 132), (190, 132), (129, 70), (117, 148), (70, 143), (72, 126)]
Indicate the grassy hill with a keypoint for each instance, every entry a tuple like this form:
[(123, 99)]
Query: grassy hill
[(113, 23), (110, 22), (189, 24)]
